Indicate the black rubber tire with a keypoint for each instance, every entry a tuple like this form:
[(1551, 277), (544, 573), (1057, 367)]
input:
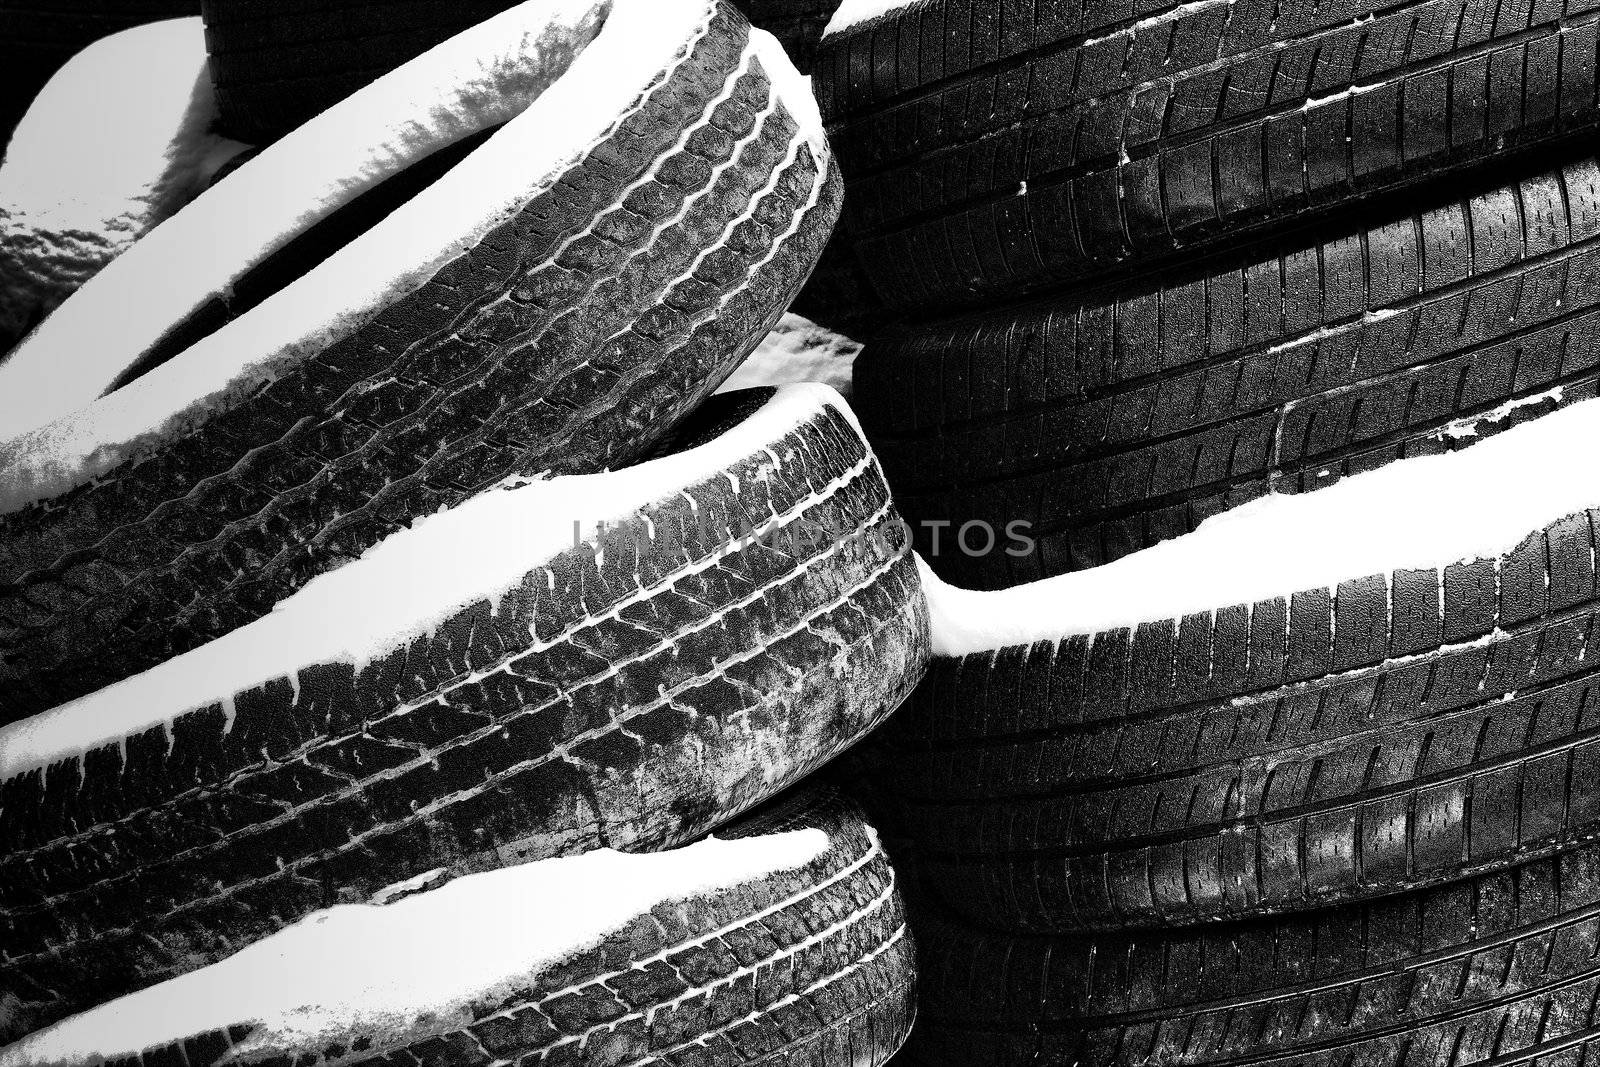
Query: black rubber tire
[(1341, 744), (1114, 420), (277, 63), (615, 331), (997, 148), (797, 24), (38, 36), (813, 966), (635, 703), (1499, 970)]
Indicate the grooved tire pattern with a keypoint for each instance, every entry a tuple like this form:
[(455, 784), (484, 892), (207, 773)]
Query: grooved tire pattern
[(1392, 732), (568, 340), (37, 37), (277, 63), (633, 700), (1499, 969), (995, 148), (1115, 420), (796, 23), (811, 966)]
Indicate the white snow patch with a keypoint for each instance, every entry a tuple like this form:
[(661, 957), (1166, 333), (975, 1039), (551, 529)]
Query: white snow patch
[(1420, 513), (1462, 429), (399, 589), (118, 140), (1322, 333), (853, 13), (1144, 25), (798, 350), (399, 972)]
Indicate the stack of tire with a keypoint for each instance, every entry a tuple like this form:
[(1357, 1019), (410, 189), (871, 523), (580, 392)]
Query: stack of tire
[(1310, 783), (368, 542)]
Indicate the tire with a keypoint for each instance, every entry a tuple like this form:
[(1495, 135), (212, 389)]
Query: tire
[(798, 953), (39, 38), (1115, 420), (88, 173), (699, 650), (1495, 970), (277, 65), (567, 337), (797, 24), (1113, 750), (1007, 149)]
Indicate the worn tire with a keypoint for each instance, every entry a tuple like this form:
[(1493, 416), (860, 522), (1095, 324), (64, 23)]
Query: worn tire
[(802, 963), (746, 611), (1112, 421), (797, 24), (277, 63), (1496, 970), (567, 338), (37, 37), (994, 149), (1377, 734)]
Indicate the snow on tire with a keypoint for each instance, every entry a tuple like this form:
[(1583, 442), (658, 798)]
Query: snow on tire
[(798, 24), (476, 691), (992, 149), (553, 302), (781, 942), (1340, 695), (88, 172), (1495, 970), (1112, 420)]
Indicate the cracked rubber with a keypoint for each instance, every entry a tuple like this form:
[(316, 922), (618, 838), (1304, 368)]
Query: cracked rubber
[(1386, 733), (1498, 970), (998, 148), (627, 699), (37, 37), (1115, 420), (568, 339), (812, 965)]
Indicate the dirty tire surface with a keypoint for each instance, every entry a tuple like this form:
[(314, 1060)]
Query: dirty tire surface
[(811, 965), (568, 340), (996, 148), (1387, 733), (1115, 420), (1498, 970), (627, 699)]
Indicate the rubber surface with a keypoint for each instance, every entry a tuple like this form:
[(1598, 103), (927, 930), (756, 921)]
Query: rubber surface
[(276, 63), (796, 23), (38, 36), (627, 699), (1127, 416), (996, 148), (1391, 732), (1498, 970), (812, 966), (569, 339)]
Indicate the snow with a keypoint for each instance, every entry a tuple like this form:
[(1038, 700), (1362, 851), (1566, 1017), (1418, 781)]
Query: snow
[(403, 971), (497, 70), (1421, 513), (134, 156), (798, 350), (400, 588), (1462, 429), (853, 13)]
